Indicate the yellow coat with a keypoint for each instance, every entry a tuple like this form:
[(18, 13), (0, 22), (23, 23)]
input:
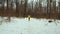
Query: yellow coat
[(29, 16)]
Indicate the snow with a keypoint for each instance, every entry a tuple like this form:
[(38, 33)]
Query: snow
[(34, 26)]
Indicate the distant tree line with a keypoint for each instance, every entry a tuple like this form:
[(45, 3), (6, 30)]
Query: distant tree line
[(21, 8)]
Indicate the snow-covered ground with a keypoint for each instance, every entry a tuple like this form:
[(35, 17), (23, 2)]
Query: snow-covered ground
[(34, 26)]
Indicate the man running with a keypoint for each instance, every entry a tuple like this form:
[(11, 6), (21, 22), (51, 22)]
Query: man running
[(29, 17)]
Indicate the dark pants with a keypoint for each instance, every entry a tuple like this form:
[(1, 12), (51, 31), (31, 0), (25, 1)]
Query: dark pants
[(29, 19)]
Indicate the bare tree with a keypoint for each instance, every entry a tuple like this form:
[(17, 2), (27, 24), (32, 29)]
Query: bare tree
[(59, 11), (49, 7), (17, 11), (25, 7)]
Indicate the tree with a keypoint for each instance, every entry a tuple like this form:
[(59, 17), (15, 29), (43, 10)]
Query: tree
[(17, 11), (25, 7), (59, 10), (49, 8)]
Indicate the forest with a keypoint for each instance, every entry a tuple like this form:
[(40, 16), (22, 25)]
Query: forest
[(35, 8)]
